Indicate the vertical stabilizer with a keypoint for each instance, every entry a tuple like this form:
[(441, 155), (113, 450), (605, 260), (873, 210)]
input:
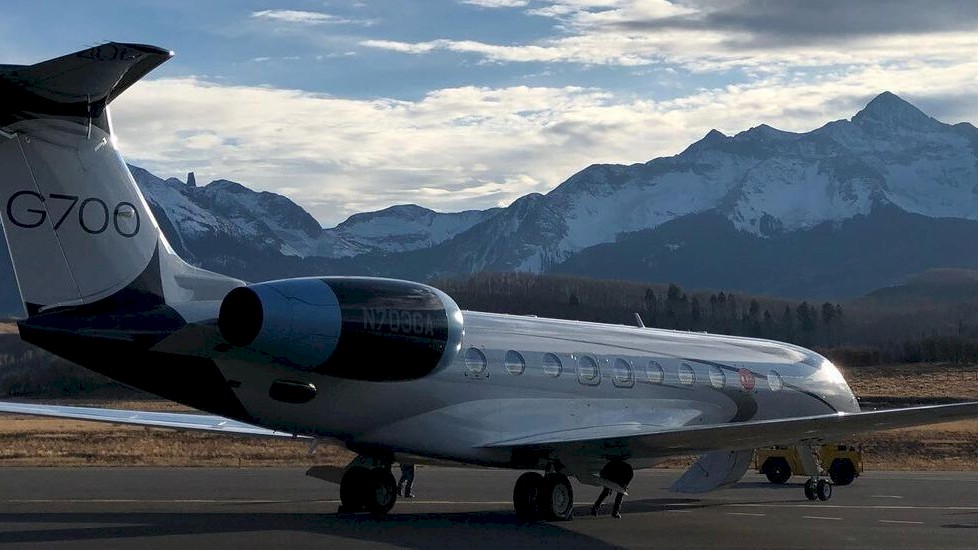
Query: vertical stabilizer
[(77, 227)]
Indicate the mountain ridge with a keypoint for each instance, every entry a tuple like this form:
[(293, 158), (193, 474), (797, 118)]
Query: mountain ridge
[(765, 182)]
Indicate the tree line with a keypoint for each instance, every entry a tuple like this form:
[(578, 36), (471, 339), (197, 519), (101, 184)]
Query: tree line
[(853, 333)]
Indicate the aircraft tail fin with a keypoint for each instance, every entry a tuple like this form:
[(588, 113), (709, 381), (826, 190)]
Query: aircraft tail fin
[(78, 228)]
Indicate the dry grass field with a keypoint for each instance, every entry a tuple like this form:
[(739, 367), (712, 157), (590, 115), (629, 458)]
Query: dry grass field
[(951, 446), (53, 442)]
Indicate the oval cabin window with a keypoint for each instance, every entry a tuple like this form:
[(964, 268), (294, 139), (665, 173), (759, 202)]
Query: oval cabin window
[(774, 381), (686, 375), (475, 362), (654, 373), (587, 370), (551, 365), (717, 378), (514, 362), (622, 374)]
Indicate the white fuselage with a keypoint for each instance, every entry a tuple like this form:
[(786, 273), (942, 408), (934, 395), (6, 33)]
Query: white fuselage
[(464, 405)]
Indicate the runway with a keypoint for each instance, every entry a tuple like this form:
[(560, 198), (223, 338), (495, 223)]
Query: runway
[(469, 508)]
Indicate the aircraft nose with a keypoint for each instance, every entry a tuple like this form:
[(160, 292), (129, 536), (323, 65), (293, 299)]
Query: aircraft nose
[(838, 392)]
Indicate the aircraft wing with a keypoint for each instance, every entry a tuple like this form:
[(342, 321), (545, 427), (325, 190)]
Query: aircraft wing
[(178, 421), (643, 441)]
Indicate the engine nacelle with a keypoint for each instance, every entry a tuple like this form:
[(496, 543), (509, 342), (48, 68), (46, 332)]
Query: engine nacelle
[(351, 327)]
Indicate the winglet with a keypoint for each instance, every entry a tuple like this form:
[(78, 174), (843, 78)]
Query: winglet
[(638, 320), (72, 85)]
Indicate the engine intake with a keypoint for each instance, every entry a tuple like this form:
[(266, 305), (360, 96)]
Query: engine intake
[(351, 327)]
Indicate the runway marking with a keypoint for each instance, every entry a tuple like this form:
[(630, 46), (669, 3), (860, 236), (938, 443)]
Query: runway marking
[(446, 502), (885, 496), (855, 506), (822, 517), (746, 514), (680, 511), (226, 501), (923, 476), (150, 501), (901, 522)]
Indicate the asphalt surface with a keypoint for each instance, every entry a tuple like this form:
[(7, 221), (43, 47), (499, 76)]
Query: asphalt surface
[(142, 508)]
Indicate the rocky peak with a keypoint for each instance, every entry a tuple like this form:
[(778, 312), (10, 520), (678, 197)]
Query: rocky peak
[(888, 111)]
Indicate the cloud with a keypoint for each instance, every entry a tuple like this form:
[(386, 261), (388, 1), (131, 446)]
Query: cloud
[(497, 3), (772, 23), (472, 147), (295, 16), (753, 34), (299, 17)]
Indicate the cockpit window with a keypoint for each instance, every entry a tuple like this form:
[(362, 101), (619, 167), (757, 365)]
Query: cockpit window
[(551, 365)]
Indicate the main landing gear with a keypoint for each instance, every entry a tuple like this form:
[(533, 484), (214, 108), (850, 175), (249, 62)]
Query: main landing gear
[(368, 487), (547, 497)]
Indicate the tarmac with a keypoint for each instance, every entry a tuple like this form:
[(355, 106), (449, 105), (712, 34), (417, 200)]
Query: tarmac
[(141, 508)]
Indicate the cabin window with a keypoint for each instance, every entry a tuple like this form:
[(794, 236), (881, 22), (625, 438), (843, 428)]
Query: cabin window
[(514, 363), (774, 381), (686, 375), (475, 362), (551, 365), (587, 371), (621, 374), (654, 373), (717, 378)]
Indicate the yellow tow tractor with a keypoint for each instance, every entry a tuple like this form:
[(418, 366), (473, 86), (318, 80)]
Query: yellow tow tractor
[(843, 463)]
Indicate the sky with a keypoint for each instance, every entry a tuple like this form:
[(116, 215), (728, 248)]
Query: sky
[(352, 106)]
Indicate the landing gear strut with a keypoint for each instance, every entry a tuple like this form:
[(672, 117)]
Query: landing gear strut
[(816, 488), (548, 497), (368, 489)]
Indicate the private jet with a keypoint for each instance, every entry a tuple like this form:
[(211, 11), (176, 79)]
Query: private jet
[(392, 369)]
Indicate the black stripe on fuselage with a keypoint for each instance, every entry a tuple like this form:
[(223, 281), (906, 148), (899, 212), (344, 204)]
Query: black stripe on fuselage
[(798, 389)]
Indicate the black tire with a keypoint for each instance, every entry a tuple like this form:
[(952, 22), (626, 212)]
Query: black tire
[(810, 489), (556, 500), (777, 470), (352, 489), (823, 490), (842, 471), (381, 492), (526, 496)]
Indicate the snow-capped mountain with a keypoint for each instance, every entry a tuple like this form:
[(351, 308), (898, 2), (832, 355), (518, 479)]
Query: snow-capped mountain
[(761, 191), (224, 225), (764, 181), (404, 227)]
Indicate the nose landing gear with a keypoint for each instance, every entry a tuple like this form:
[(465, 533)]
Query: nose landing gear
[(818, 489)]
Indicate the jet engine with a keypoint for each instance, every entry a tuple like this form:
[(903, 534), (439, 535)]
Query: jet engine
[(350, 327)]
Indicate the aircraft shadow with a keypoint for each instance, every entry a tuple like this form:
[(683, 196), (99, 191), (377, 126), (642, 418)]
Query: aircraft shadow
[(491, 529)]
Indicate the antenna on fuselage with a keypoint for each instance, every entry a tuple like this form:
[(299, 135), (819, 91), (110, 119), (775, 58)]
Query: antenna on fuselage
[(638, 320)]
